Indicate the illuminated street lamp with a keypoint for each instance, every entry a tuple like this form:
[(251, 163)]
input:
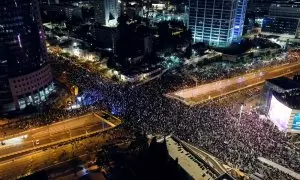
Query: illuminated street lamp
[(194, 79), (241, 111)]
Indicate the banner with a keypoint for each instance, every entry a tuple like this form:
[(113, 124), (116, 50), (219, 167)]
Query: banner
[(296, 122)]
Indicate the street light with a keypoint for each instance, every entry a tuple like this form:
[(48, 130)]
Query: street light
[(194, 79), (241, 111)]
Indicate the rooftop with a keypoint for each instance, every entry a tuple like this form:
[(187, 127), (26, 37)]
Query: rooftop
[(285, 83), (282, 4), (196, 163), (188, 162), (290, 96), (291, 101)]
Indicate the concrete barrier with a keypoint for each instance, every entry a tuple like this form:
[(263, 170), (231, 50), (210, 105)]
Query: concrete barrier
[(64, 140)]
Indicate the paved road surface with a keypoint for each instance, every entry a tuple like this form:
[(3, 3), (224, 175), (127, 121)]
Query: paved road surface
[(209, 91), (52, 133), (51, 157)]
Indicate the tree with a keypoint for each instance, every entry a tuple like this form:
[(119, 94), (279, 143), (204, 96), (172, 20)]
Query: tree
[(102, 157), (164, 33), (75, 162), (122, 47), (114, 78), (251, 56), (256, 25), (268, 53), (188, 51), (188, 35)]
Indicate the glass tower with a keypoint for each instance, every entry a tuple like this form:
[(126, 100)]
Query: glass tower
[(214, 21), (107, 12), (22, 49), (283, 20), (239, 20)]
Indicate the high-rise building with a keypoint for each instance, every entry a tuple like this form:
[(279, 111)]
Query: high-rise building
[(258, 8), (54, 11), (213, 22), (25, 77), (107, 12), (283, 20), (285, 10), (49, 2), (239, 20)]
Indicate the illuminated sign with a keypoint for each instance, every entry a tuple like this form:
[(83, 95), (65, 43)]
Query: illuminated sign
[(74, 90), (296, 122), (279, 114)]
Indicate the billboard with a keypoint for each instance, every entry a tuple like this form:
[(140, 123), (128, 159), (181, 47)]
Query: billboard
[(296, 122), (279, 114)]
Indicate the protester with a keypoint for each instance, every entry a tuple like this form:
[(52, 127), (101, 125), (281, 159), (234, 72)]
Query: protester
[(214, 127)]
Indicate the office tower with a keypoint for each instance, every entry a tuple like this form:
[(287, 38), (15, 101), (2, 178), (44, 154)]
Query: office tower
[(107, 12), (285, 10), (49, 2), (55, 11), (283, 20), (212, 22), (25, 77), (239, 20), (55, 1), (258, 8)]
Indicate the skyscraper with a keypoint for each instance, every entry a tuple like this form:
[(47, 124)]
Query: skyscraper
[(239, 20), (283, 20), (25, 77), (49, 2), (215, 22), (107, 12), (258, 8)]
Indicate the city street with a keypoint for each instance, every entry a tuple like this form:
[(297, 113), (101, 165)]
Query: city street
[(146, 90), (205, 92), (52, 134), (52, 157)]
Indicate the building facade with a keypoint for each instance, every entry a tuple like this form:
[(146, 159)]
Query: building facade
[(107, 12), (106, 37), (49, 2), (70, 12), (280, 102), (258, 8), (283, 20), (281, 26), (23, 57), (239, 20), (285, 10), (214, 22)]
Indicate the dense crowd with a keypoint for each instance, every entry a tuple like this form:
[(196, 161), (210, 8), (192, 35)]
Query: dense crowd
[(207, 73), (215, 127), (48, 117)]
